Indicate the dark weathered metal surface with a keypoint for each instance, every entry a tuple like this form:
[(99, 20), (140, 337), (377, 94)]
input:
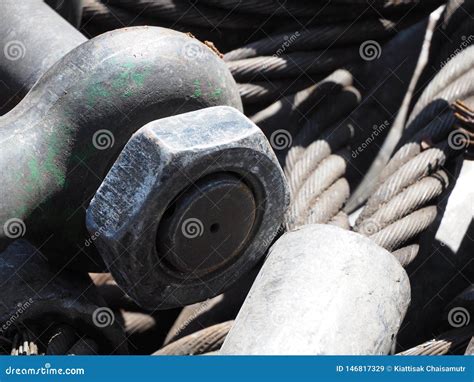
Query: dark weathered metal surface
[(26, 53), (193, 202), (219, 201), (36, 294), (235, 205), (60, 141)]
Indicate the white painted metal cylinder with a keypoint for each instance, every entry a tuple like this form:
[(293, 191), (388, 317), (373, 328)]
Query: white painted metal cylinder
[(322, 290)]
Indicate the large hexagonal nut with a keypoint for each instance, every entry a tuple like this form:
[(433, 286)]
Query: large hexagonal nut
[(190, 205)]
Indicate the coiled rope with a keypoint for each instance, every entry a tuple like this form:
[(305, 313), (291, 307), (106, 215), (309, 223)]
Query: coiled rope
[(315, 38), (404, 204), (317, 161)]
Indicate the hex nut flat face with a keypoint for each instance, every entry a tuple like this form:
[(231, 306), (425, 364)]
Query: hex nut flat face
[(188, 207)]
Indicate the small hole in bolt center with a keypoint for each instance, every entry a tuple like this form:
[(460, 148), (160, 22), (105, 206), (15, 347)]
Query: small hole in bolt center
[(214, 227)]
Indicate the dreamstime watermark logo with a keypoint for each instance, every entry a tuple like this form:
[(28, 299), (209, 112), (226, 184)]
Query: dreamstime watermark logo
[(459, 317), (202, 308), (458, 140), (279, 317), (14, 228), (376, 131), (282, 314), (103, 139), (14, 50), (466, 42), (193, 50), (269, 240), (103, 317), (192, 228), (370, 50), (21, 308), (45, 370), (286, 44), (281, 139), (59, 4), (114, 217), (88, 242)]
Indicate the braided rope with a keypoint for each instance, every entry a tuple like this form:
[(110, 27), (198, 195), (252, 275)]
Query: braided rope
[(316, 128), (407, 201), (407, 182), (272, 7), (328, 172), (301, 162), (107, 15), (24, 344), (470, 347), (190, 14), (61, 341), (405, 229), (341, 9), (291, 65), (450, 83), (340, 220), (201, 342), (406, 254), (136, 322), (420, 166), (452, 341), (271, 91), (397, 212), (291, 110), (319, 37), (433, 133), (329, 204)]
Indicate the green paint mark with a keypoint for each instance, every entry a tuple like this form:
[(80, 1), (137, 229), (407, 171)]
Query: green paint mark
[(197, 89), (43, 171), (34, 170), (123, 84), (95, 92), (50, 166), (47, 166), (138, 78), (35, 176), (217, 93), (130, 79), (209, 91)]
